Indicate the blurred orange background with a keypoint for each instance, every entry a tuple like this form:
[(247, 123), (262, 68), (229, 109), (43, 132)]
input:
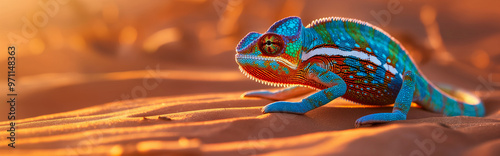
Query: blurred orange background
[(80, 53)]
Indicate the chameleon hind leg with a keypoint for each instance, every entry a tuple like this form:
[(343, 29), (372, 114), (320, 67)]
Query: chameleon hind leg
[(282, 94), (337, 88), (401, 105)]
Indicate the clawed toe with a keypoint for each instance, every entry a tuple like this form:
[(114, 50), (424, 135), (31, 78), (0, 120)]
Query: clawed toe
[(378, 118), (359, 124), (284, 107)]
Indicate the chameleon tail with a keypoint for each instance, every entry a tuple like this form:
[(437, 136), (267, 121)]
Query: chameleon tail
[(447, 100)]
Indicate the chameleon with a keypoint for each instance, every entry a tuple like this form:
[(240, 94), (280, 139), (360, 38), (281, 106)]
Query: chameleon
[(338, 57)]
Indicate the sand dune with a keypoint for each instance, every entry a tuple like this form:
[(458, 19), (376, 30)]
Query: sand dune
[(159, 78), (227, 124)]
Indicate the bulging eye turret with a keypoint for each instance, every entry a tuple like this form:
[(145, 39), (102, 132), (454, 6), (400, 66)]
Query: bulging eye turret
[(271, 44)]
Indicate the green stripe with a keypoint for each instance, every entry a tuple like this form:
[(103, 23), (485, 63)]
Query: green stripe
[(353, 31), (393, 51), (321, 29)]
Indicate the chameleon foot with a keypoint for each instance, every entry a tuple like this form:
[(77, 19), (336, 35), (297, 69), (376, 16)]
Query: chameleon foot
[(378, 118), (401, 105), (284, 107)]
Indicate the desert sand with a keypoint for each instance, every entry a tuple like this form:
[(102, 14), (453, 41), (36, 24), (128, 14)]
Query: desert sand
[(226, 124), (159, 78)]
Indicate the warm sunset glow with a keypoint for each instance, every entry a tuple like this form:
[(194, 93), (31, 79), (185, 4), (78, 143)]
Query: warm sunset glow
[(128, 35), (116, 150), (159, 38), (36, 46), (427, 15), (162, 77), (99, 28), (480, 59), (110, 12), (56, 39), (77, 42), (467, 97), (428, 18), (178, 75), (227, 25), (182, 144)]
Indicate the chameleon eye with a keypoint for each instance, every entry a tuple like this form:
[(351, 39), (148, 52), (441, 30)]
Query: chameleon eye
[(271, 44)]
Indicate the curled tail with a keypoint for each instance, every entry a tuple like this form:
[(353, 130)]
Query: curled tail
[(447, 100)]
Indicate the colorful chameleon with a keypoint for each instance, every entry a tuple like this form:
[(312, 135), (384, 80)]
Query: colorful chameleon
[(345, 58)]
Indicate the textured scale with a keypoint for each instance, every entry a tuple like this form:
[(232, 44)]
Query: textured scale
[(331, 53), (369, 82)]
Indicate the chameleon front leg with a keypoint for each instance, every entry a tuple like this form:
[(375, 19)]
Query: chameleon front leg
[(401, 105), (337, 88), (282, 94)]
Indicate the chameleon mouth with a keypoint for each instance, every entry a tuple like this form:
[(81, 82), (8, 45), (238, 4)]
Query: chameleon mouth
[(277, 59), (275, 84), (250, 76)]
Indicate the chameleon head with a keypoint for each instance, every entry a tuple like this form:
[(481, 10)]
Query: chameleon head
[(272, 57)]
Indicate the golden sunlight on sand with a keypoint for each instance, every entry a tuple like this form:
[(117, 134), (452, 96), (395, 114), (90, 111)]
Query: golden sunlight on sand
[(159, 78)]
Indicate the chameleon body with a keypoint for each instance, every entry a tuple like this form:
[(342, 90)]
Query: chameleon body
[(345, 58)]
